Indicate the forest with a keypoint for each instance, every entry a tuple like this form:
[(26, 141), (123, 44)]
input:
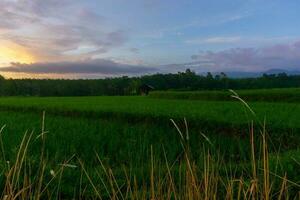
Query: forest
[(181, 81)]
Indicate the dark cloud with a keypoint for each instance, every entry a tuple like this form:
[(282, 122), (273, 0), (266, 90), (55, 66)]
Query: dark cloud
[(198, 66), (286, 56), (93, 66), (115, 38), (134, 50)]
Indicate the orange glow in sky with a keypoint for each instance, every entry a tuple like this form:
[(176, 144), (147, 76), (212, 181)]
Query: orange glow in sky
[(10, 52)]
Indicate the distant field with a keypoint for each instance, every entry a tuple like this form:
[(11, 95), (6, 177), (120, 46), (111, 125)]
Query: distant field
[(139, 109), (212, 117), (266, 95)]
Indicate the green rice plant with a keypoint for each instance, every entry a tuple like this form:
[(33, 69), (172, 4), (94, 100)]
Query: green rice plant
[(84, 157), (205, 177), (261, 95)]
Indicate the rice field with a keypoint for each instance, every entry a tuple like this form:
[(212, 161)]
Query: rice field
[(151, 109), (286, 95), (144, 147)]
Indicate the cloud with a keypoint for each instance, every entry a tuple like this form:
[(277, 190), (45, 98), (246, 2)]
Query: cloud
[(286, 56), (214, 40), (91, 66), (53, 27), (241, 41), (134, 50)]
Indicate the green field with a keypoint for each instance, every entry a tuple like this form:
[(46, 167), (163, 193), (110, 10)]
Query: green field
[(139, 109), (265, 95), (135, 134)]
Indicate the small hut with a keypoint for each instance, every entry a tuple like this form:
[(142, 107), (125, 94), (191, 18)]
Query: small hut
[(145, 89)]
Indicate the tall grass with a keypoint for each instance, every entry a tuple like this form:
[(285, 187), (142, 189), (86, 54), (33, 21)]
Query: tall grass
[(183, 178)]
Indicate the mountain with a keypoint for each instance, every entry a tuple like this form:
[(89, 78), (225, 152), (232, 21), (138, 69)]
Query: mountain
[(241, 74), (277, 71)]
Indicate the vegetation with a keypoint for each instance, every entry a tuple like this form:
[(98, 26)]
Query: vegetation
[(261, 95), (133, 166), (138, 109), (186, 81), (126, 147)]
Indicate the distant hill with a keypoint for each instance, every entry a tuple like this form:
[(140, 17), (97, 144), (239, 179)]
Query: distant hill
[(240, 74), (277, 71)]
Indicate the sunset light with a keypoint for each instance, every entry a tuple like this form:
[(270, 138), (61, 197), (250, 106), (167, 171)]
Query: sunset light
[(10, 52)]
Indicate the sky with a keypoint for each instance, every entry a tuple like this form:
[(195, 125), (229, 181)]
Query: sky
[(107, 38)]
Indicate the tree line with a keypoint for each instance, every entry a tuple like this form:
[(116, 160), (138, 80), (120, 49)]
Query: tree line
[(187, 80)]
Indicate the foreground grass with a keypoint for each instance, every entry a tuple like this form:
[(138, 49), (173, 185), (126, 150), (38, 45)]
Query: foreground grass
[(205, 176), (117, 142)]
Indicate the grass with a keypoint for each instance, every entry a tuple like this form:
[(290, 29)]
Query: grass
[(210, 117), (139, 109), (205, 176), (127, 148), (66, 135), (261, 95)]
